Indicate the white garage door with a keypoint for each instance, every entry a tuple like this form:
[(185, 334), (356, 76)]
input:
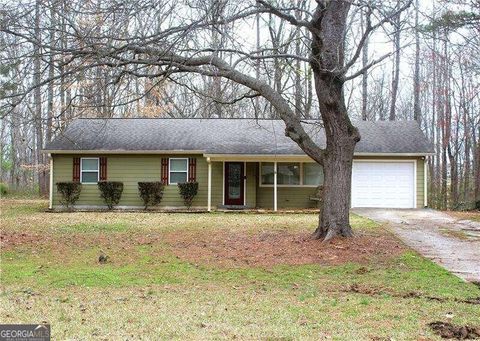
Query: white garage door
[(383, 184)]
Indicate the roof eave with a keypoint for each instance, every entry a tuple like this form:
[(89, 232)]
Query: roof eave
[(106, 151)]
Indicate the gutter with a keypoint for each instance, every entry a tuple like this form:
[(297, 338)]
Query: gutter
[(105, 151), (207, 155)]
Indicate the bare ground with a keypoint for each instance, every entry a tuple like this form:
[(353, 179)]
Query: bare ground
[(273, 248), (226, 248)]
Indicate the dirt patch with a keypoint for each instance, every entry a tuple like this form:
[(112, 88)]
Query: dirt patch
[(281, 247), (375, 291), (450, 331), (10, 240)]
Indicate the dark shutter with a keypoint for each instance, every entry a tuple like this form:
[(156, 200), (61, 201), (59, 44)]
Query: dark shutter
[(165, 170), (103, 168), (76, 169), (192, 169)]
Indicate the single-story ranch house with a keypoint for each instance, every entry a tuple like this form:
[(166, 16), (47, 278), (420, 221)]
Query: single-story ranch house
[(234, 162)]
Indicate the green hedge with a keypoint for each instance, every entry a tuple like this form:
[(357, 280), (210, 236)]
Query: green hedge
[(151, 193), (111, 192), (69, 192), (188, 191)]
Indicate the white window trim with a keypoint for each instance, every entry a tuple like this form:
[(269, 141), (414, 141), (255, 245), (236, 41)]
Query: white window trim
[(89, 171), (260, 184), (169, 169)]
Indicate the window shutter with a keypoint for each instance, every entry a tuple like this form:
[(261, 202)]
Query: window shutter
[(165, 170), (76, 169), (192, 169), (103, 168)]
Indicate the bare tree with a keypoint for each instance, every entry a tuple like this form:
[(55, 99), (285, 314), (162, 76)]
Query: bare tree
[(171, 51)]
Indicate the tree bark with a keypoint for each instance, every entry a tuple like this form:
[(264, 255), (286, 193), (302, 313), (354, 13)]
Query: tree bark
[(328, 54), (417, 115), (41, 173), (365, 75), (396, 67)]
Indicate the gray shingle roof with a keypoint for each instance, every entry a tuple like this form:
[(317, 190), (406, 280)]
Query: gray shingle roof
[(226, 136)]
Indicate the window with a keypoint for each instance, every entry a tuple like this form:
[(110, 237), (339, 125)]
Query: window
[(287, 173), (291, 174), (89, 170), (267, 173), (312, 174), (178, 171)]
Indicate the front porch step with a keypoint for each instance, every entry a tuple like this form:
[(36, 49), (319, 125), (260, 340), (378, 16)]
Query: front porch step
[(233, 207)]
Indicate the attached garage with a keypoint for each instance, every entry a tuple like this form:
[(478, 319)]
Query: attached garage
[(384, 183)]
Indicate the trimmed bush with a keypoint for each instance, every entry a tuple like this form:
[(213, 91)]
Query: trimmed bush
[(188, 191), (69, 192), (151, 193), (111, 192)]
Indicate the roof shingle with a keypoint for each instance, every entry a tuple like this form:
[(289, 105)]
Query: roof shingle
[(227, 136)]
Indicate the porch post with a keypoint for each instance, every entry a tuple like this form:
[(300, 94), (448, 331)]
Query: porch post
[(275, 186), (50, 194), (209, 195)]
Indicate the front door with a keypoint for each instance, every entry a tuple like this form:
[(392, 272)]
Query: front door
[(234, 175)]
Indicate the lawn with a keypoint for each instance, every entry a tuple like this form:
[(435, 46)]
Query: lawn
[(218, 275)]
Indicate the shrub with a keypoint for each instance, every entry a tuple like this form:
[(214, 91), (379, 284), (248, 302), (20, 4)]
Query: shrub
[(70, 192), (3, 188), (151, 193), (188, 191), (111, 192), (477, 204)]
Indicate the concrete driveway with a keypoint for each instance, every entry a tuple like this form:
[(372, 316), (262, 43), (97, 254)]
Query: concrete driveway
[(448, 241)]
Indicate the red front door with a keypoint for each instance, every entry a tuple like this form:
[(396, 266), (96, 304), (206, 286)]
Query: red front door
[(234, 176)]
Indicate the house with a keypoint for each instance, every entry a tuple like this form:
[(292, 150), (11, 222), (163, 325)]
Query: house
[(233, 160)]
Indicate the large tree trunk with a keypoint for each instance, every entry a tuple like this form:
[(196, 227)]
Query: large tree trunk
[(328, 52), (337, 165), (334, 220)]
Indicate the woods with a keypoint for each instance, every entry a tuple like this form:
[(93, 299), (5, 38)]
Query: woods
[(403, 60)]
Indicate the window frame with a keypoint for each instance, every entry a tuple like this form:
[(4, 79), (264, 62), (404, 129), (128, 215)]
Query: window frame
[(301, 184), (89, 171), (170, 170), (303, 177)]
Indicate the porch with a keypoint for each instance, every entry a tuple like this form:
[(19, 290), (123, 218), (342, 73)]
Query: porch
[(261, 182)]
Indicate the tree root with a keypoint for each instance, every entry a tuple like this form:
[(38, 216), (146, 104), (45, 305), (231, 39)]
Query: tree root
[(328, 234)]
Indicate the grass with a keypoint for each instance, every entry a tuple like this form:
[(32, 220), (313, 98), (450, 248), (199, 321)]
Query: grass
[(147, 290), (469, 215)]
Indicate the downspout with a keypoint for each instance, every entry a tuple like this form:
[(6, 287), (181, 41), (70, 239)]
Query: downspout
[(425, 182)]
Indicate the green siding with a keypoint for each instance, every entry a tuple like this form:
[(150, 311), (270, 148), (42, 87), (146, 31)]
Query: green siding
[(217, 184), (420, 183), (130, 169), (251, 190), (287, 197)]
